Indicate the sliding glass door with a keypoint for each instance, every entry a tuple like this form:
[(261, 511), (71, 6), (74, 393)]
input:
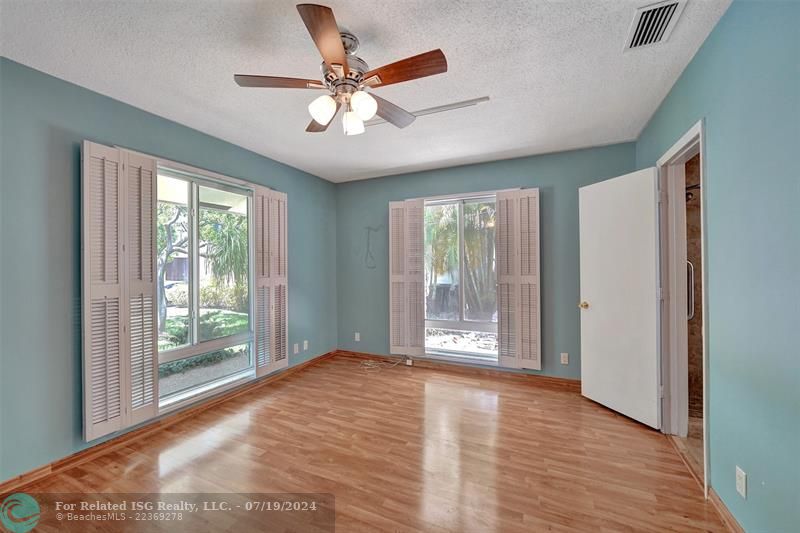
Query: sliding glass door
[(461, 277)]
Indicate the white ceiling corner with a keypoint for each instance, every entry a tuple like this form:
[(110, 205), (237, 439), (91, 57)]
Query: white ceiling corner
[(556, 72)]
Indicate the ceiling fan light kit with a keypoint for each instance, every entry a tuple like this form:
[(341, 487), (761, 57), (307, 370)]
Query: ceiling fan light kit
[(346, 76), (352, 124), (364, 105), (322, 109)]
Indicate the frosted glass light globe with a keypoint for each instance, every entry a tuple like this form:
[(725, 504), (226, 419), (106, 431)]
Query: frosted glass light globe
[(322, 109), (364, 105), (352, 124)]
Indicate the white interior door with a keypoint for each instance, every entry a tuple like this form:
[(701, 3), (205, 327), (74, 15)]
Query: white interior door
[(619, 295)]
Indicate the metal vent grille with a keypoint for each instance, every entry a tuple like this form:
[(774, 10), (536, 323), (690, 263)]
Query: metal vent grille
[(653, 24)]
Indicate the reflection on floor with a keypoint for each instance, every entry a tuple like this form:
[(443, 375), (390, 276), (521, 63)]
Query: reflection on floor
[(417, 449), (691, 446)]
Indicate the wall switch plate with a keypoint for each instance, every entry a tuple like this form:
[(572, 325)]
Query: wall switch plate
[(409, 362), (741, 482), (358, 336), (564, 358), (296, 348), (305, 345)]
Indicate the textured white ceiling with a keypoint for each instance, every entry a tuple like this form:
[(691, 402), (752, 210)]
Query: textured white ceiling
[(555, 71)]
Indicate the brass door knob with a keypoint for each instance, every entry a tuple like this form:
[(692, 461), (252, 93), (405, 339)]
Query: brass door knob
[(584, 305)]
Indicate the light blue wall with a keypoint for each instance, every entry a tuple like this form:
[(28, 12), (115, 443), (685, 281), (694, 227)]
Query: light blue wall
[(363, 299), (44, 121), (745, 83)]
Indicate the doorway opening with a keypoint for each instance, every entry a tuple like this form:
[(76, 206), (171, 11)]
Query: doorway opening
[(683, 349), (461, 278), (692, 442), (694, 262)]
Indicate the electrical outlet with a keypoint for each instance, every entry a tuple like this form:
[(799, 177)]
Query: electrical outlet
[(741, 482), (564, 358), (296, 348), (358, 337), (305, 345), (409, 362)]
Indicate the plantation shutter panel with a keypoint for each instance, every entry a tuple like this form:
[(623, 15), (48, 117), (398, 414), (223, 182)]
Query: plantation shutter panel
[(140, 289), (529, 318), (102, 308), (263, 290), (415, 275), (518, 302), (271, 284), (397, 279), (278, 262), (263, 303), (507, 278)]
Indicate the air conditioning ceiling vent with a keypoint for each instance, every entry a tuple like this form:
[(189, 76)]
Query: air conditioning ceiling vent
[(653, 24)]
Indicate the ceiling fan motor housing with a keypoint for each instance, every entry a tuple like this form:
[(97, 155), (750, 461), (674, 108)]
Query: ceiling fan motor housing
[(349, 41), (344, 86)]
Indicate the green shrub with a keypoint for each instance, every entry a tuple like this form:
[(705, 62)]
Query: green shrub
[(223, 296), (213, 325), (176, 331), (182, 365)]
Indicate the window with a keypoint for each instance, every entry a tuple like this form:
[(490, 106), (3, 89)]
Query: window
[(461, 277), (203, 281), (172, 213), (184, 285), (464, 278)]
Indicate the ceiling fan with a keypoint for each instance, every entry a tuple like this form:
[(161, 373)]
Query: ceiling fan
[(345, 76)]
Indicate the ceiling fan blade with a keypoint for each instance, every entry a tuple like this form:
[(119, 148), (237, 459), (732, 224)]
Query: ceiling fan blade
[(411, 68), (393, 114), (322, 26), (316, 127), (246, 80)]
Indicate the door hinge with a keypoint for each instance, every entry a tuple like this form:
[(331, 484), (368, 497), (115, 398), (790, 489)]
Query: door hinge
[(661, 391)]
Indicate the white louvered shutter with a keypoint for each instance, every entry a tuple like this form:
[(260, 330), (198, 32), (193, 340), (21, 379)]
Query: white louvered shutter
[(140, 289), (517, 252), (507, 274), (529, 338), (278, 262), (271, 286), (263, 302), (415, 275), (397, 279), (102, 307)]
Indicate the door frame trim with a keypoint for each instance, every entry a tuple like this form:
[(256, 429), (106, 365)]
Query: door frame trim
[(675, 402)]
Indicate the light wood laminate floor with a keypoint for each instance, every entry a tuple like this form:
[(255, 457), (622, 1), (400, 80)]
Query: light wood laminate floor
[(407, 449)]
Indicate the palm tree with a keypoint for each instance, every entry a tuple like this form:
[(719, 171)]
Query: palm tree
[(442, 255), (441, 246), (223, 237), (480, 276)]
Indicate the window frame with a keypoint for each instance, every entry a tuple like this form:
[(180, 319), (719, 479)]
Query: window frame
[(462, 324), (195, 179)]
